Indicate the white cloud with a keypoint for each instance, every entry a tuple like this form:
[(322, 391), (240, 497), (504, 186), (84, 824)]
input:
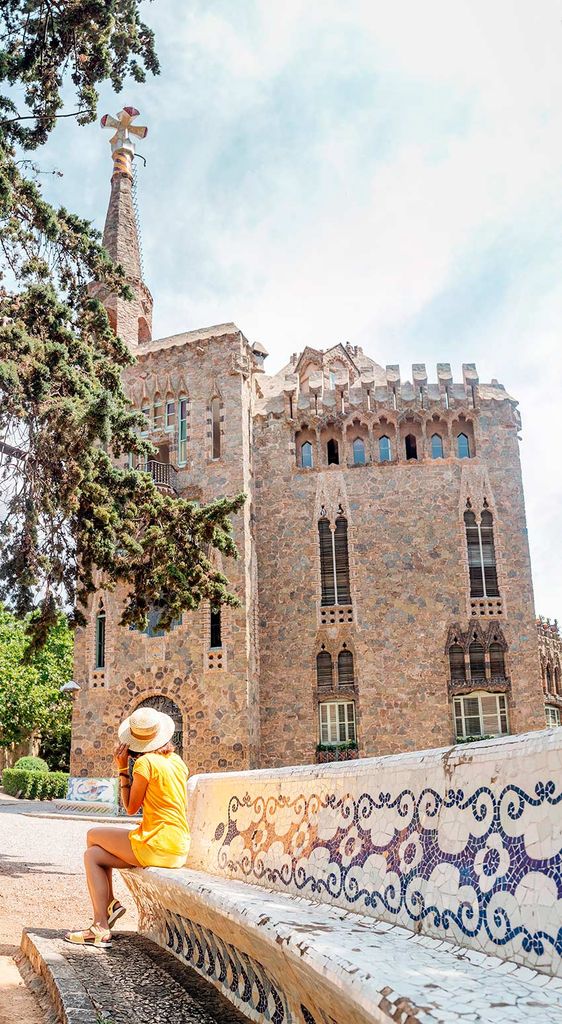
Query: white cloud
[(336, 171)]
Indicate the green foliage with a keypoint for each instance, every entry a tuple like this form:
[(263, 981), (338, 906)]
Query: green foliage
[(38, 785), (64, 417), (350, 745), (31, 764), (474, 739), (30, 681)]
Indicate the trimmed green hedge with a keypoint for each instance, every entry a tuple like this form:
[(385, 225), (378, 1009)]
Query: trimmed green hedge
[(32, 764), (37, 785)]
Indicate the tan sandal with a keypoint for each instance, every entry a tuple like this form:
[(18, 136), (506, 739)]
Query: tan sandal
[(115, 910), (100, 938)]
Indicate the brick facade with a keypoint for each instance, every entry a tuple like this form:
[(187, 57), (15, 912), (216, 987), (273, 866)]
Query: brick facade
[(254, 701)]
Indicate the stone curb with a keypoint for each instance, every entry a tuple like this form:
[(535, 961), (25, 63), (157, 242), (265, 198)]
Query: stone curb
[(70, 999), (98, 818)]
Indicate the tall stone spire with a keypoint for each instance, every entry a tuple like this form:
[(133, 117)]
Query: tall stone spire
[(132, 321)]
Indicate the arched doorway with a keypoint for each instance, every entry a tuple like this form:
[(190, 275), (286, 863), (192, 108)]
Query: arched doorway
[(167, 707)]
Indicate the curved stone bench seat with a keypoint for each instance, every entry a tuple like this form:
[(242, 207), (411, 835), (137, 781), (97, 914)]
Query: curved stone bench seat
[(285, 959), (424, 886)]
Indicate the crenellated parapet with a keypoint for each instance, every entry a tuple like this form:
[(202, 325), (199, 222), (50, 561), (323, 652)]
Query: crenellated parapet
[(339, 391)]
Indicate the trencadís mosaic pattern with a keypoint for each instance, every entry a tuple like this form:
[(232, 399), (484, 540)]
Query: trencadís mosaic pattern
[(451, 847), (243, 980)]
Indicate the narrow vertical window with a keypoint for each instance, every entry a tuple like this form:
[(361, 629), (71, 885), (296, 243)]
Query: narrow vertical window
[(306, 455), (182, 432), (332, 380), (327, 563), (477, 661), (497, 661), (333, 452), (145, 410), (359, 452), (463, 447), (170, 414), (158, 413), (100, 638), (324, 670), (216, 628), (488, 554), (457, 663), (341, 560), (384, 449), (411, 446), (345, 669), (548, 679), (216, 427), (481, 555), (436, 446)]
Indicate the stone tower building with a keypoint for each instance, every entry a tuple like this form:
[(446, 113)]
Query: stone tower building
[(384, 573)]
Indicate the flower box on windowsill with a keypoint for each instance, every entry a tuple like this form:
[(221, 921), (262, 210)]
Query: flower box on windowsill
[(341, 752)]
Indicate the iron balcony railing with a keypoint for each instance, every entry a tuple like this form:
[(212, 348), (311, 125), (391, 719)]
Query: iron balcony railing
[(163, 474)]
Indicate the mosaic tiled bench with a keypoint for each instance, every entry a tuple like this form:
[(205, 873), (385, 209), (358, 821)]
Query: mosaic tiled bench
[(90, 796), (422, 887)]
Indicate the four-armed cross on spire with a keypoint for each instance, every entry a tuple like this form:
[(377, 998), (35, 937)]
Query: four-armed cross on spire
[(122, 145)]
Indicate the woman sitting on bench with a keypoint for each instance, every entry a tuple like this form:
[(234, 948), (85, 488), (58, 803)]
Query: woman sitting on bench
[(158, 784)]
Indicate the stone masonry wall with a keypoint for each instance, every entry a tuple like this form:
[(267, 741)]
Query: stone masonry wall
[(409, 583), (219, 705)]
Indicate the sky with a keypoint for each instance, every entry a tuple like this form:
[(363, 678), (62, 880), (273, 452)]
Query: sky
[(382, 173)]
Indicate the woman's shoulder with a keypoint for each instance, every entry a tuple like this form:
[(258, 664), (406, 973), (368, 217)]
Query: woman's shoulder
[(178, 762)]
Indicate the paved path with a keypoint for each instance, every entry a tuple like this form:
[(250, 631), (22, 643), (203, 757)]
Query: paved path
[(41, 886)]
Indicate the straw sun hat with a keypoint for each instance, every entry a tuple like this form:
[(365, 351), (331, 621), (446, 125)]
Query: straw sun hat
[(146, 729)]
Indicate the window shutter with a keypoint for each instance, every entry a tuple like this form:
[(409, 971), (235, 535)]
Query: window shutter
[(324, 670), (326, 563), (489, 554), (342, 562), (474, 560), (497, 660), (345, 669), (477, 660), (456, 662)]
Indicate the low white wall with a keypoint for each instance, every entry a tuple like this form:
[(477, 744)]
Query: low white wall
[(463, 843)]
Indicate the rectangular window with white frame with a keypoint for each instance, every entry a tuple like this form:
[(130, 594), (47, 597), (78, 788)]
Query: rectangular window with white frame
[(481, 714), (182, 432), (552, 716), (337, 722)]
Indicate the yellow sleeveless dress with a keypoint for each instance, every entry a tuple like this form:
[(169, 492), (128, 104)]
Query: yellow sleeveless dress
[(162, 838)]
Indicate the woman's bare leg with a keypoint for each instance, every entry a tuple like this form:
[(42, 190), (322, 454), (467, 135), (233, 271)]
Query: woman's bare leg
[(108, 848)]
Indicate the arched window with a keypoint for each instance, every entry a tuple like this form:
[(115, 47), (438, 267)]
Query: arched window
[(358, 452), (557, 680), (182, 430), (549, 679), (216, 628), (170, 414), (411, 446), (99, 660), (384, 449), (324, 670), (306, 455), (436, 446), (463, 447), (477, 661), (497, 661), (334, 562), (143, 331), (457, 663), (345, 669), (216, 427), (481, 555), (145, 410), (158, 412), (167, 707), (333, 452)]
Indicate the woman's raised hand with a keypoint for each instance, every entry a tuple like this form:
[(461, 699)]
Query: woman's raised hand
[(121, 757)]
